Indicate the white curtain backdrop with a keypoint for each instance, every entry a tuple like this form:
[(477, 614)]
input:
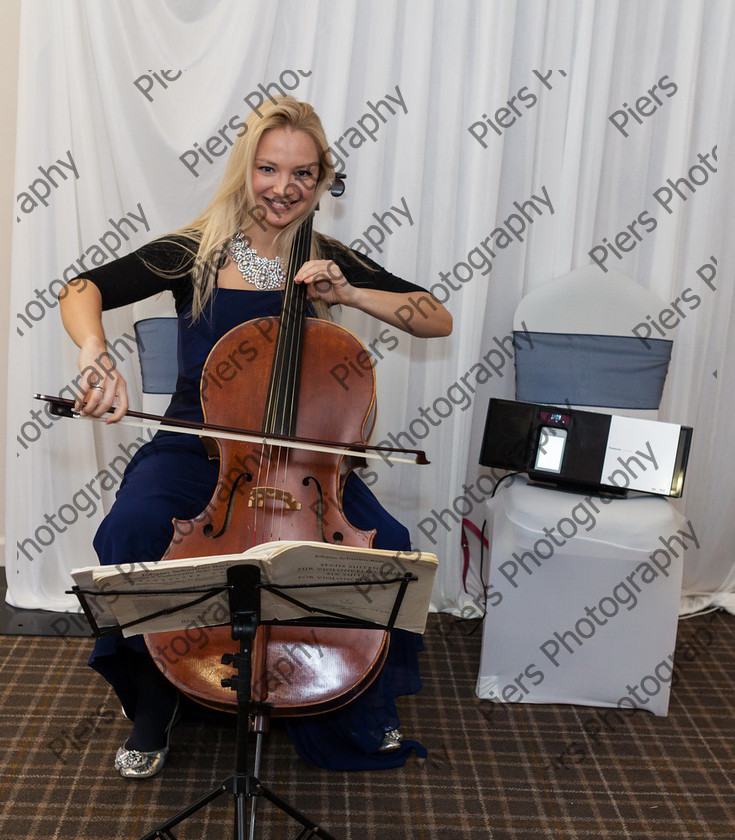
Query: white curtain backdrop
[(128, 106)]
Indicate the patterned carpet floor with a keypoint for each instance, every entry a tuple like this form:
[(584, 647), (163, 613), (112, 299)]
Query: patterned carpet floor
[(507, 772)]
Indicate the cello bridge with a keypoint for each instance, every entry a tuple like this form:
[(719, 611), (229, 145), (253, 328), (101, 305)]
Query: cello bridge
[(259, 495)]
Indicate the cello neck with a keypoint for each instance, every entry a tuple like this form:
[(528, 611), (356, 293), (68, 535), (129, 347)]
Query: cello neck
[(280, 407)]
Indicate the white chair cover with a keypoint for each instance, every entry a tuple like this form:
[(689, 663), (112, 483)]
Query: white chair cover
[(583, 593)]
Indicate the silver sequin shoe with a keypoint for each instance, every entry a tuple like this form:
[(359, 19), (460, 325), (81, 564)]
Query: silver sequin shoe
[(391, 741), (133, 764)]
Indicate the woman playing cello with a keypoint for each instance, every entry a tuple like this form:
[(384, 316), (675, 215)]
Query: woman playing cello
[(224, 269)]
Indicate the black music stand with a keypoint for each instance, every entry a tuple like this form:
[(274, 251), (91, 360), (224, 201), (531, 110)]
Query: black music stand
[(244, 587)]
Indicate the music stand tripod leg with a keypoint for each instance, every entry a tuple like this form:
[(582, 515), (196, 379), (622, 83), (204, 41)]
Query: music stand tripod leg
[(245, 614)]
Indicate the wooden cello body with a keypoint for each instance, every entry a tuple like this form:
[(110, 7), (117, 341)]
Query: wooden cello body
[(266, 493)]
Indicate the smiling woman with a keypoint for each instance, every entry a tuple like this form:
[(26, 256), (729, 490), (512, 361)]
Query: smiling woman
[(228, 267), (285, 175)]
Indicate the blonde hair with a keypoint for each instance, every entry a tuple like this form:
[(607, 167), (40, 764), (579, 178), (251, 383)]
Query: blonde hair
[(233, 205)]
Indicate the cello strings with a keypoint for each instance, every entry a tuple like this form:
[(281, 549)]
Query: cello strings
[(270, 422), (282, 392), (266, 450), (293, 342)]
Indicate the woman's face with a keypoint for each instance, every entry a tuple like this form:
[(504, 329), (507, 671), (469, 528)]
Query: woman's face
[(285, 174)]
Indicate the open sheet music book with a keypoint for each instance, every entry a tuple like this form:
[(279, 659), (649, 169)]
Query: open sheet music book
[(367, 596)]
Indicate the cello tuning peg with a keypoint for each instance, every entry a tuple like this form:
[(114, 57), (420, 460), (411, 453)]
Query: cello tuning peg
[(337, 187)]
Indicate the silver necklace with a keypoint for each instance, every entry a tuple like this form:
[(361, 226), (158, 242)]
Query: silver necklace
[(263, 273)]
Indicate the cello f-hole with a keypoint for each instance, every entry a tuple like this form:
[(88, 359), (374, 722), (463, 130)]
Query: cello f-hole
[(209, 527), (317, 506)]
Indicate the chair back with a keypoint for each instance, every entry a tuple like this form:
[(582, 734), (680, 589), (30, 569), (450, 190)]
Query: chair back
[(156, 333), (575, 344)]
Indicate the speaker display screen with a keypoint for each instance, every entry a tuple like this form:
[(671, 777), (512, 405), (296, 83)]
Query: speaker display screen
[(550, 450)]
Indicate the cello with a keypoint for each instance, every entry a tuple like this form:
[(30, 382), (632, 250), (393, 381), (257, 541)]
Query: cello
[(266, 492)]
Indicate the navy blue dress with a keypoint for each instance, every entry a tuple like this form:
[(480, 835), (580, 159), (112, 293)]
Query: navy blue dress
[(172, 477)]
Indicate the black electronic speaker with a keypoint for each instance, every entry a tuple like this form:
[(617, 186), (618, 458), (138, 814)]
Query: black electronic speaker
[(586, 450)]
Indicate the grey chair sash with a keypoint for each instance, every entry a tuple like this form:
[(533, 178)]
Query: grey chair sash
[(594, 370), (157, 338)]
